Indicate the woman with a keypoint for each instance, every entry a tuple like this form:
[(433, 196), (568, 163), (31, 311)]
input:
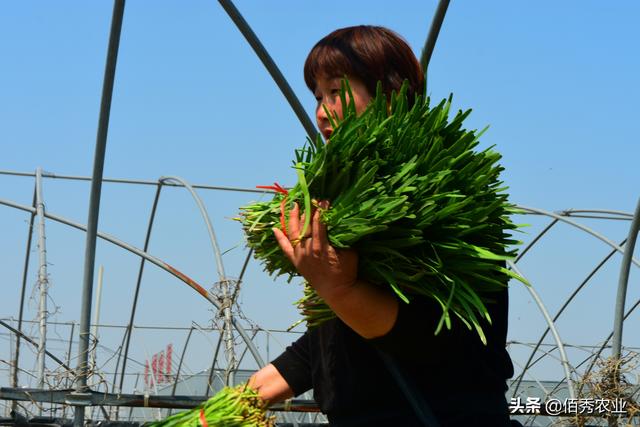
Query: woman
[(378, 362)]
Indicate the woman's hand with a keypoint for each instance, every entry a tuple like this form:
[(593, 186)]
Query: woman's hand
[(330, 271), (270, 385), (369, 310)]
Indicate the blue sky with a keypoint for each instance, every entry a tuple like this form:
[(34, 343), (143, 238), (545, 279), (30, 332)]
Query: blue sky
[(556, 81)]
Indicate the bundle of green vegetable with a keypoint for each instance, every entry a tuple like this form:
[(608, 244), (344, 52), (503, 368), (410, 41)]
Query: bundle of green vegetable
[(239, 406), (426, 212)]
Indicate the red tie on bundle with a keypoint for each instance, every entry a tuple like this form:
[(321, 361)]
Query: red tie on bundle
[(278, 189), (203, 419)]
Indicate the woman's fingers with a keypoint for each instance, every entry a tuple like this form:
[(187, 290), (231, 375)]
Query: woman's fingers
[(285, 244), (316, 239), (307, 232), (319, 231), (314, 242), (302, 220), (321, 227), (294, 222)]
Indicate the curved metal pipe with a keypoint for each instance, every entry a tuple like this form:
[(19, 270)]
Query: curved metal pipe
[(434, 31), (554, 331), (601, 211), (207, 221), (623, 283), (581, 227), (94, 203), (226, 302), (271, 67), (156, 261), (564, 306), (610, 218)]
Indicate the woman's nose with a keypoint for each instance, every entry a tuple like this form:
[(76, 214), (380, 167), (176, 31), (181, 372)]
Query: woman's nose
[(331, 106), (321, 114)]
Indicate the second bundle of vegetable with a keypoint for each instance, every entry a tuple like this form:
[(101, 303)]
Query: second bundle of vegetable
[(238, 406)]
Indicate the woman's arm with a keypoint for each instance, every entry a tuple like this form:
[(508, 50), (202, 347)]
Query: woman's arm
[(270, 385), (368, 310)]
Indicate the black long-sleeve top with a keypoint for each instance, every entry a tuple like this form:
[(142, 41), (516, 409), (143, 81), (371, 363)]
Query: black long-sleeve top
[(462, 380)]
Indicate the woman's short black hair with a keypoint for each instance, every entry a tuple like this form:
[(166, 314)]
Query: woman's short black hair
[(368, 53)]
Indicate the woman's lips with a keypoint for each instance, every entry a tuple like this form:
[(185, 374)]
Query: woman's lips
[(327, 133)]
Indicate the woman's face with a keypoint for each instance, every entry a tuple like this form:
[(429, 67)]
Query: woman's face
[(327, 93)]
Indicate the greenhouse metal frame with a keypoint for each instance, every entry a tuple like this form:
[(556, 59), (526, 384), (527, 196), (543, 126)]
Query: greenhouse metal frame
[(82, 396)]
